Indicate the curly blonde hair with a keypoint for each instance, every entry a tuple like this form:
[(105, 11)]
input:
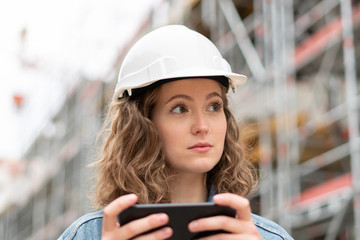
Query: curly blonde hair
[(133, 162)]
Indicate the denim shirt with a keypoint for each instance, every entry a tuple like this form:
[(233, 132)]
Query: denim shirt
[(89, 227)]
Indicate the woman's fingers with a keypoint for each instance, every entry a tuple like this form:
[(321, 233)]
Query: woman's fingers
[(112, 229), (224, 223), (162, 233), (240, 204), (236, 228), (230, 237), (112, 210), (214, 223), (144, 225)]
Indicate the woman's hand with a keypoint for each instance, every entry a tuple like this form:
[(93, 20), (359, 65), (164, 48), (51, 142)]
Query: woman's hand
[(240, 227), (112, 229)]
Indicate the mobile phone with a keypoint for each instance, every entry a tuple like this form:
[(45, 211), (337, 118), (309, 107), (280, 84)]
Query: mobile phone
[(179, 216)]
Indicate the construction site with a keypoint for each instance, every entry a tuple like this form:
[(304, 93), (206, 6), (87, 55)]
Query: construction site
[(298, 111)]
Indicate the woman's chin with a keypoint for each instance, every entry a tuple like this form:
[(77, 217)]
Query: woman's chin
[(202, 167)]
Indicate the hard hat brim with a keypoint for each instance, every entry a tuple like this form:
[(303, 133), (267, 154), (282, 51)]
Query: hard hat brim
[(131, 84)]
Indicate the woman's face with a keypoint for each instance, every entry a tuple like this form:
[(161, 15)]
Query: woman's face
[(192, 125)]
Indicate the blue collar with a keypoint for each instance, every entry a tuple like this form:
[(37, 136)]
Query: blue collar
[(212, 192)]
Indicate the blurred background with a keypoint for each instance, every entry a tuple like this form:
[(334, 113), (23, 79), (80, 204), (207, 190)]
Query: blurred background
[(299, 110)]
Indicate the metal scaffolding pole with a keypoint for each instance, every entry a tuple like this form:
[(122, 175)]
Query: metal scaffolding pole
[(267, 181), (352, 106), (281, 97), (278, 51), (242, 39), (335, 224), (314, 15), (292, 132)]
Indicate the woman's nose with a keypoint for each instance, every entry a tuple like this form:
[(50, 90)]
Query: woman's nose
[(200, 125)]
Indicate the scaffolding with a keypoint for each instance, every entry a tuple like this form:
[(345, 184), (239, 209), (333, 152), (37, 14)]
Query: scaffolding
[(57, 180), (283, 45), (302, 100)]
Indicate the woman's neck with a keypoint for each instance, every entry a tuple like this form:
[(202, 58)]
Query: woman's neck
[(187, 188)]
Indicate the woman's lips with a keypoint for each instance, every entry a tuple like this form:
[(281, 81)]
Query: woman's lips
[(201, 147)]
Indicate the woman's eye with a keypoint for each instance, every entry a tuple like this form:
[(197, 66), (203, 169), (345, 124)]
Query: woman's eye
[(215, 107), (179, 109)]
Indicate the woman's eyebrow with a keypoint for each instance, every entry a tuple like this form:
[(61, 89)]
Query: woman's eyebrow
[(186, 97), (213, 94), (180, 96)]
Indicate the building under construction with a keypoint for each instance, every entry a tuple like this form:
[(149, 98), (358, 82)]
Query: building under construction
[(299, 112)]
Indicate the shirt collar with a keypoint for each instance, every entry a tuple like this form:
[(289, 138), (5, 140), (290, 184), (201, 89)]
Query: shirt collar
[(212, 192)]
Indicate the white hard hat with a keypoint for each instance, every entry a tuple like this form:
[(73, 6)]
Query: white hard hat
[(172, 52)]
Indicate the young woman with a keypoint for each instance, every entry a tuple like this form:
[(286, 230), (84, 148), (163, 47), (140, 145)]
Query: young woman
[(171, 138)]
